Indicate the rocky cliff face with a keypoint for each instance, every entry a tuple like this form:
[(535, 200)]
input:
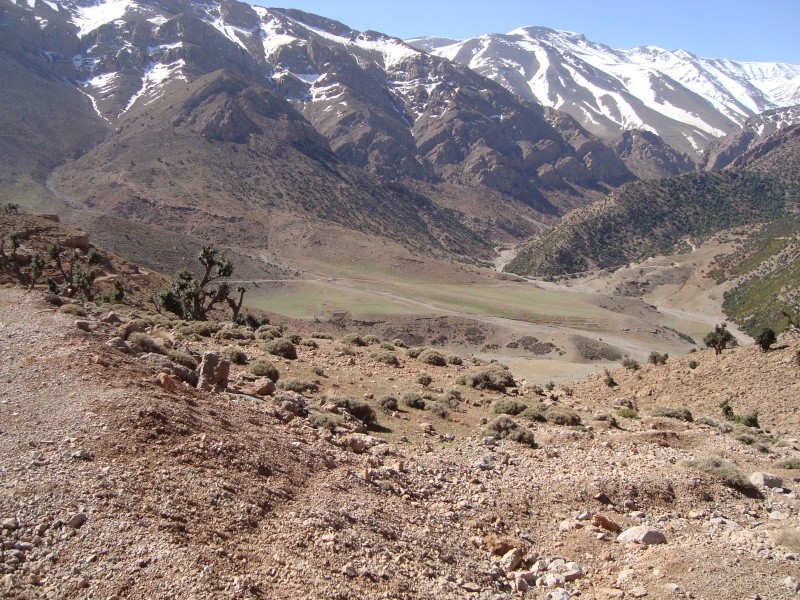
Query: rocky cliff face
[(648, 157)]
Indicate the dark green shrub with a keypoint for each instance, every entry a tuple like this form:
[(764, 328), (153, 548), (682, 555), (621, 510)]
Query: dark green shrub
[(268, 332), (318, 335), (387, 358), (325, 421), (489, 378), (388, 403), (627, 413), (455, 360), (281, 347), (236, 356), (707, 421), (353, 339), (309, 343), (550, 386), (719, 339), (657, 358), (506, 428), (681, 414), (295, 338), (399, 343), (439, 409), (415, 352), (387, 346), (412, 400), (508, 406), (182, 358), (433, 358), (765, 339), (298, 385), (264, 368), (609, 379), (251, 321), (74, 310), (358, 408), (144, 343), (630, 364), (562, 415), (693, 364), (372, 339), (535, 412), (318, 371), (723, 470), (424, 379)]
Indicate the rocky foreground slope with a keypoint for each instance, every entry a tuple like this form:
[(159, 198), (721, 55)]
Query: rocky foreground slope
[(119, 478)]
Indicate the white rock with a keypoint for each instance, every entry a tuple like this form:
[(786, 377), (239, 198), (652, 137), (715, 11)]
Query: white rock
[(642, 535), (560, 594), (792, 584), (766, 480)]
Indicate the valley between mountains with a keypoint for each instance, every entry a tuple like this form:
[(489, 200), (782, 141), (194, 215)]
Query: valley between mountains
[(463, 347)]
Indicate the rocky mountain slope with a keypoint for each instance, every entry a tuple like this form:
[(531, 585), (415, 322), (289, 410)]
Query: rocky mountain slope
[(124, 476), (686, 100), (379, 103), (653, 217)]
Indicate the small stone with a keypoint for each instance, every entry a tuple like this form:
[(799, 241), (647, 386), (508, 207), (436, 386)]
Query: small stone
[(638, 592), (520, 584), (11, 524), (560, 594), (766, 480), (111, 318), (792, 584), (8, 583), (427, 428), (76, 520), (119, 344), (349, 570), (606, 523), (489, 441), (84, 325), (552, 580), (512, 559), (642, 535), (264, 387), (471, 587), (82, 454)]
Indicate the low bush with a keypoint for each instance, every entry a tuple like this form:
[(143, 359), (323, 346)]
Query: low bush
[(606, 418), (353, 339), (455, 360), (144, 343), (609, 379), (388, 403), (789, 538), (309, 343), (201, 328), (439, 409), (693, 364), (298, 385), (358, 408), (562, 415), (236, 356), (657, 358), (264, 368), (269, 332), (318, 371), (412, 400), (372, 339), (295, 338), (627, 413), (281, 347), (723, 470), (433, 358), (386, 358), (507, 428), (387, 346), (508, 406), (630, 364), (489, 378), (325, 421), (534, 412), (318, 335), (235, 333), (182, 358), (399, 343), (707, 421), (424, 379), (681, 414), (74, 310), (415, 352), (766, 338), (788, 463)]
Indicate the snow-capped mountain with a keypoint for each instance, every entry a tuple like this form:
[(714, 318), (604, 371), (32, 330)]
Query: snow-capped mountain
[(380, 103), (687, 100)]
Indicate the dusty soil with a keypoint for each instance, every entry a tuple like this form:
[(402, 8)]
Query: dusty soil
[(114, 485)]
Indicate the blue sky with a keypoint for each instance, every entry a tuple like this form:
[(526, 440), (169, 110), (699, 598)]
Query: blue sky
[(755, 30)]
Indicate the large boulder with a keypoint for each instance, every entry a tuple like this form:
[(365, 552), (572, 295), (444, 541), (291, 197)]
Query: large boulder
[(642, 535), (165, 365), (214, 371)]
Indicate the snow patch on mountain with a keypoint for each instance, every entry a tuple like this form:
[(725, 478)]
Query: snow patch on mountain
[(88, 18), (154, 76)]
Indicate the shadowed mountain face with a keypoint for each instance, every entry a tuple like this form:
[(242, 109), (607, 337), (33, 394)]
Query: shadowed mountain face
[(687, 100), (380, 104)]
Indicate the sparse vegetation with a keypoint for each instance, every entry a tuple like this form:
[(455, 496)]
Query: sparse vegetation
[(719, 339), (656, 358), (281, 347), (387, 358), (627, 413), (412, 400), (74, 310), (723, 470), (508, 406), (300, 386), (455, 360), (388, 403), (609, 379), (507, 428), (432, 357), (144, 343), (353, 339), (562, 415), (490, 378), (535, 412), (681, 414), (264, 368), (748, 420), (630, 364), (236, 356), (789, 538), (192, 299), (358, 408), (325, 421), (693, 364), (792, 464), (765, 339), (424, 379)]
